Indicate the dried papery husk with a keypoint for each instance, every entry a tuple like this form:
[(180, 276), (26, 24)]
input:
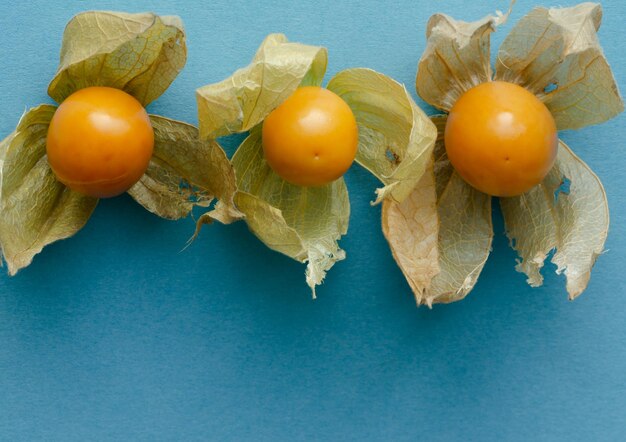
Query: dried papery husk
[(568, 212), (441, 235), (396, 137), (555, 53), (35, 208), (140, 54)]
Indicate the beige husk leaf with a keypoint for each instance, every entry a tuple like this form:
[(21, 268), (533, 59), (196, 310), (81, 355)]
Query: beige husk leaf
[(140, 54), (556, 54), (441, 234), (574, 221), (304, 223), (184, 172), (412, 230), (243, 100), (35, 209), (395, 136), (456, 58)]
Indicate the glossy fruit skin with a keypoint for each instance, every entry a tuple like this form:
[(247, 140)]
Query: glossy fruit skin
[(311, 139), (501, 139), (100, 141)]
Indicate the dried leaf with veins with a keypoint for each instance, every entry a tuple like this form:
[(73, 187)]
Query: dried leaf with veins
[(457, 58), (441, 247), (303, 223), (184, 172), (243, 100), (395, 136), (558, 49), (35, 209), (140, 54), (411, 228), (574, 221), (465, 236)]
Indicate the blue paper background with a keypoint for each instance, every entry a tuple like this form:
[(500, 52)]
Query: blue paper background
[(116, 334)]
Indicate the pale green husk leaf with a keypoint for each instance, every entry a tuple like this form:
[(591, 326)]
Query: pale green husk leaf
[(396, 138), (456, 58), (412, 230), (35, 209), (575, 222), (243, 100), (441, 234), (556, 54), (304, 223), (138, 53), (184, 172)]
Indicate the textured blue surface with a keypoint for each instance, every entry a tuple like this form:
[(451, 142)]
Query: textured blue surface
[(117, 335)]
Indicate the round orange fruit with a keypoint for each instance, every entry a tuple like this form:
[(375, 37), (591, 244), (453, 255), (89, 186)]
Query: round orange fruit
[(100, 141), (311, 139), (501, 138)]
